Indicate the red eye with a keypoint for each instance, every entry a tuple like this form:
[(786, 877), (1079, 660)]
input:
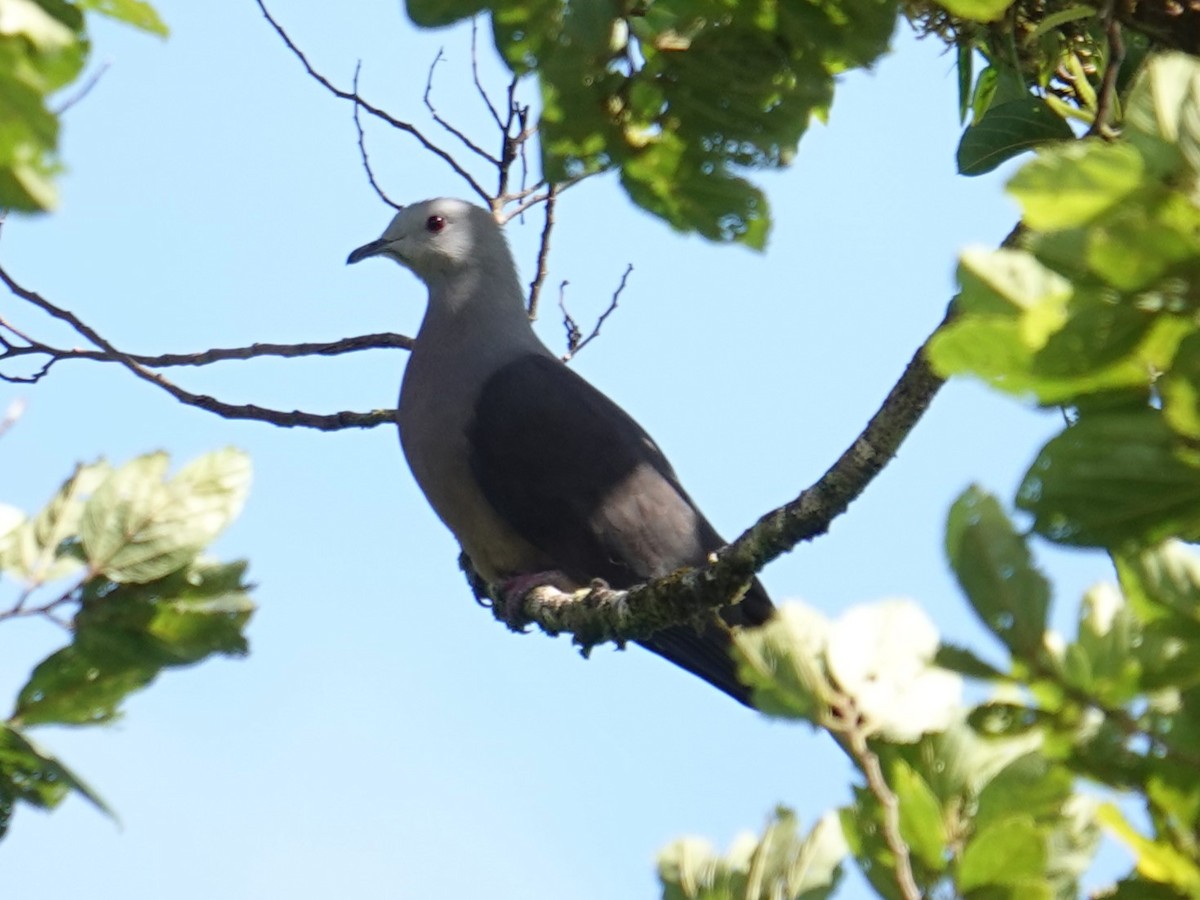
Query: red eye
[(434, 224)]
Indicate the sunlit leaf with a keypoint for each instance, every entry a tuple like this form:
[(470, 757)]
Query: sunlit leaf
[(1010, 851), (782, 662), (1070, 185), (137, 13), (137, 528)]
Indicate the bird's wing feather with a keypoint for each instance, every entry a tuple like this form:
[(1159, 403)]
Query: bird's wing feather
[(575, 476), (579, 479)]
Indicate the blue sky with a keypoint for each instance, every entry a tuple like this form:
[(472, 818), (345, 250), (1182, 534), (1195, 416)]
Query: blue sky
[(386, 738)]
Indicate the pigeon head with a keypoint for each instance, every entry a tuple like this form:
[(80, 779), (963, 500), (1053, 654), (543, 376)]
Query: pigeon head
[(438, 238)]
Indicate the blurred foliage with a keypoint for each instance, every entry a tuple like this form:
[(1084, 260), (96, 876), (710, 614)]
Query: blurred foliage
[(116, 558), (681, 96), (1096, 310), (44, 48)]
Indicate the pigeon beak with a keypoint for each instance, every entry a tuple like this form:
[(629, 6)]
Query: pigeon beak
[(372, 249)]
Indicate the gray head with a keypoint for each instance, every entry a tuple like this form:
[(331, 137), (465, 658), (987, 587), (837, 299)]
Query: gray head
[(439, 239)]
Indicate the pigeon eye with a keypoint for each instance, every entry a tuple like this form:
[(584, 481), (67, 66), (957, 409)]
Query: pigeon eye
[(434, 224)]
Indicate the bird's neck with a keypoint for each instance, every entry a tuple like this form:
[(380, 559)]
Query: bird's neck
[(472, 314)]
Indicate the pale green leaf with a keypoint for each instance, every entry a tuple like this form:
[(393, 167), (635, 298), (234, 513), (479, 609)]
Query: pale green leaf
[(1010, 851), (922, 822), (1070, 185), (978, 10), (137, 528), (782, 663), (1155, 860), (137, 13)]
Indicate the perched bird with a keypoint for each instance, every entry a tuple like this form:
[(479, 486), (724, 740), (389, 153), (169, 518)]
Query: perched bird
[(532, 468)]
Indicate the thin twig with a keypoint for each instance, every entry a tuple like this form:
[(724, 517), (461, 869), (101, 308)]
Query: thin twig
[(868, 761), (475, 75), (295, 418), (574, 346), (373, 110), (543, 257), (466, 141), (362, 149), (1107, 96), (379, 341), (84, 90)]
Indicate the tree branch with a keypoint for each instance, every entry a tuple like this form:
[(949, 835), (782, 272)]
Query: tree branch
[(294, 418), (598, 614)]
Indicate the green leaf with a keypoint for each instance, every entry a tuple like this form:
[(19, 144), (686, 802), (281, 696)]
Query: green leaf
[(964, 661), (1112, 480), (1160, 579), (1165, 97), (85, 683), (995, 570), (1030, 784), (978, 10), (1011, 851), (1180, 388), (1156, 860), (778, 865), (922, 823), (1069, 185), (126, 634), (1140, 243), (782, 663), (137, 528), (30, 774), (1006, 130), (1013, 283), (966, 59), (132, 12)]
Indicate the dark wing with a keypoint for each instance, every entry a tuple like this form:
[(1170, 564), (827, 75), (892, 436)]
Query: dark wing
[(575, 476)]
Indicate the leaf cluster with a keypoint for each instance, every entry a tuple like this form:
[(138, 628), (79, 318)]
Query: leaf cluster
[(121, 549), (681, 96), (44, 48), (1095, 311)]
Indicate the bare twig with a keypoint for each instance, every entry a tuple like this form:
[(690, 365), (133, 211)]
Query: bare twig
[(84, 89), (375, 111), (362, 148), (574, 334), (1106, 98), (295, 418), (846, 727), (466, 141), (475, 75), (543, 257)]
